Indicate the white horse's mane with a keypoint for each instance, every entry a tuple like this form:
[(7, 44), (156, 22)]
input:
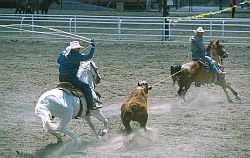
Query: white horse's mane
[(84, 65), (86, 71)]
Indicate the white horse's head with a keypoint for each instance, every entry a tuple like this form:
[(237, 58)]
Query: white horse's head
[(88, 73)]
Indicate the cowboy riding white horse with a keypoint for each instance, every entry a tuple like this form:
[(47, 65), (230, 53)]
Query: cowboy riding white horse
[(60, 103)]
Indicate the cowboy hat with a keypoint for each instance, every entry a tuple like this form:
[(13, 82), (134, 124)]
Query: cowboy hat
[(199, 29), (75, 45)]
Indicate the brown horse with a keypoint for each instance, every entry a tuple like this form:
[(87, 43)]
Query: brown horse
[(195, 71)]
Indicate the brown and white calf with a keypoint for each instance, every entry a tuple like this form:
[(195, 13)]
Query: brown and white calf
[(135, 107)]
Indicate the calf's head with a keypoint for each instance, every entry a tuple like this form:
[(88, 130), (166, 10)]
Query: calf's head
[(144, 85)]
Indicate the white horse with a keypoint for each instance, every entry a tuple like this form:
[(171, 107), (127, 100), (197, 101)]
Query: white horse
[(62, 104)]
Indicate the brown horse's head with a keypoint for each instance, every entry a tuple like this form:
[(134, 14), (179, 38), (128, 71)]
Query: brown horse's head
[(216, 51)]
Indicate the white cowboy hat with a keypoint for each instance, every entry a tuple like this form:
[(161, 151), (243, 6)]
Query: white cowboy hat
[(199, 29), (74, 45)]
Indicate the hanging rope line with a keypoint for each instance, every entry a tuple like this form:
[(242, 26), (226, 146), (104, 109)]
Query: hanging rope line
[(55, 31), (200, 16)]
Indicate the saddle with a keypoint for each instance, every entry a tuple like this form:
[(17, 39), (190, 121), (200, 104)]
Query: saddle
[(204, 64), (73, 90), (78, 93)]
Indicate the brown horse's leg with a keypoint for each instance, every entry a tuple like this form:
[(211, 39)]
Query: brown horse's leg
[(182, 91), (226, 93), (185, 91), (226, 86), (233, 91)]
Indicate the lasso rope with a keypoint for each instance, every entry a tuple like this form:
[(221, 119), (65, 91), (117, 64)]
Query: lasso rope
[(167, 78), (68, 35)]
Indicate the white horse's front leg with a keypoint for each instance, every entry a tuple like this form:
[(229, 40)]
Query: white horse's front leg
[(91, 125), (53, 132), (98, 114), (62, 127), (67, 132)]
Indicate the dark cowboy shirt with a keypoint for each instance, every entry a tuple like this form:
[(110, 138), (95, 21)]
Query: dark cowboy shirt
[(197, 47), (69, 62)]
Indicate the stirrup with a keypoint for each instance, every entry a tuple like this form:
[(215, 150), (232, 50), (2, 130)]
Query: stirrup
[(97, 101), (221, 76), (95, 108), (223, 72), (98, 106)]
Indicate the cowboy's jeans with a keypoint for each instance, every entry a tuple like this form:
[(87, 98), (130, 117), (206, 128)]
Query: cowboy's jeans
[(84, 87), (212, 65)]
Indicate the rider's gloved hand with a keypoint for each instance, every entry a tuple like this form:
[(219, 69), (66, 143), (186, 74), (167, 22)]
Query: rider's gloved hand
[(92, 42)]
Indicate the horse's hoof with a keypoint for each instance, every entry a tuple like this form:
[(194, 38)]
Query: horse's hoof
[(238, 98), (59, 140), (102, 132), (98, 137)]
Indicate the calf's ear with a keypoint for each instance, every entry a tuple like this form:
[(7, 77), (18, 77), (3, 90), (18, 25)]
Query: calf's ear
[(139, 83), (149, 87)]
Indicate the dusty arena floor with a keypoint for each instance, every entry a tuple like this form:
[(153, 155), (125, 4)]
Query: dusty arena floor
[(206, 125)]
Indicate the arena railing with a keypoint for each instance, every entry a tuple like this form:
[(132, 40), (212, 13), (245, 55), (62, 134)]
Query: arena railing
[(122, 28)]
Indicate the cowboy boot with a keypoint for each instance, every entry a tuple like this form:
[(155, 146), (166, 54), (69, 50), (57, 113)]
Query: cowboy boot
[(94, 106), (221, 74), (96, 96)]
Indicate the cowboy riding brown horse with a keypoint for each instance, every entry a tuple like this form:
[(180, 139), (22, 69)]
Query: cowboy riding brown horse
[(198, 71)]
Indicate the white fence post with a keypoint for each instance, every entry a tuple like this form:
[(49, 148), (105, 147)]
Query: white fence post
[(32, 22), (163, 28), (211, 28), (21, 33), (75, 24), (70, 27), (223, 28), (119, 28)]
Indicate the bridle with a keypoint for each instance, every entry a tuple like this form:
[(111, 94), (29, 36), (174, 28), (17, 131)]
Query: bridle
[(94, 74)]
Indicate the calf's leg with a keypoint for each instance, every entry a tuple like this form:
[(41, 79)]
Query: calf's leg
[(143, 121), (126, 124)]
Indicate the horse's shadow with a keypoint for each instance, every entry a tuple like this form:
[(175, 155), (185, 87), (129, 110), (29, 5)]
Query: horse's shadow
[(63, 148)]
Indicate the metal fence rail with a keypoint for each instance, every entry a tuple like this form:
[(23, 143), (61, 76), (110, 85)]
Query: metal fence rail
[(121, 28)]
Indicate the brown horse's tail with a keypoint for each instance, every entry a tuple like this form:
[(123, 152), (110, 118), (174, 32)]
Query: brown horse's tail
[(175, 69)]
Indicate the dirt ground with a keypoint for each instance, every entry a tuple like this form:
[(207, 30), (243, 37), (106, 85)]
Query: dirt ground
[(206, 125)]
